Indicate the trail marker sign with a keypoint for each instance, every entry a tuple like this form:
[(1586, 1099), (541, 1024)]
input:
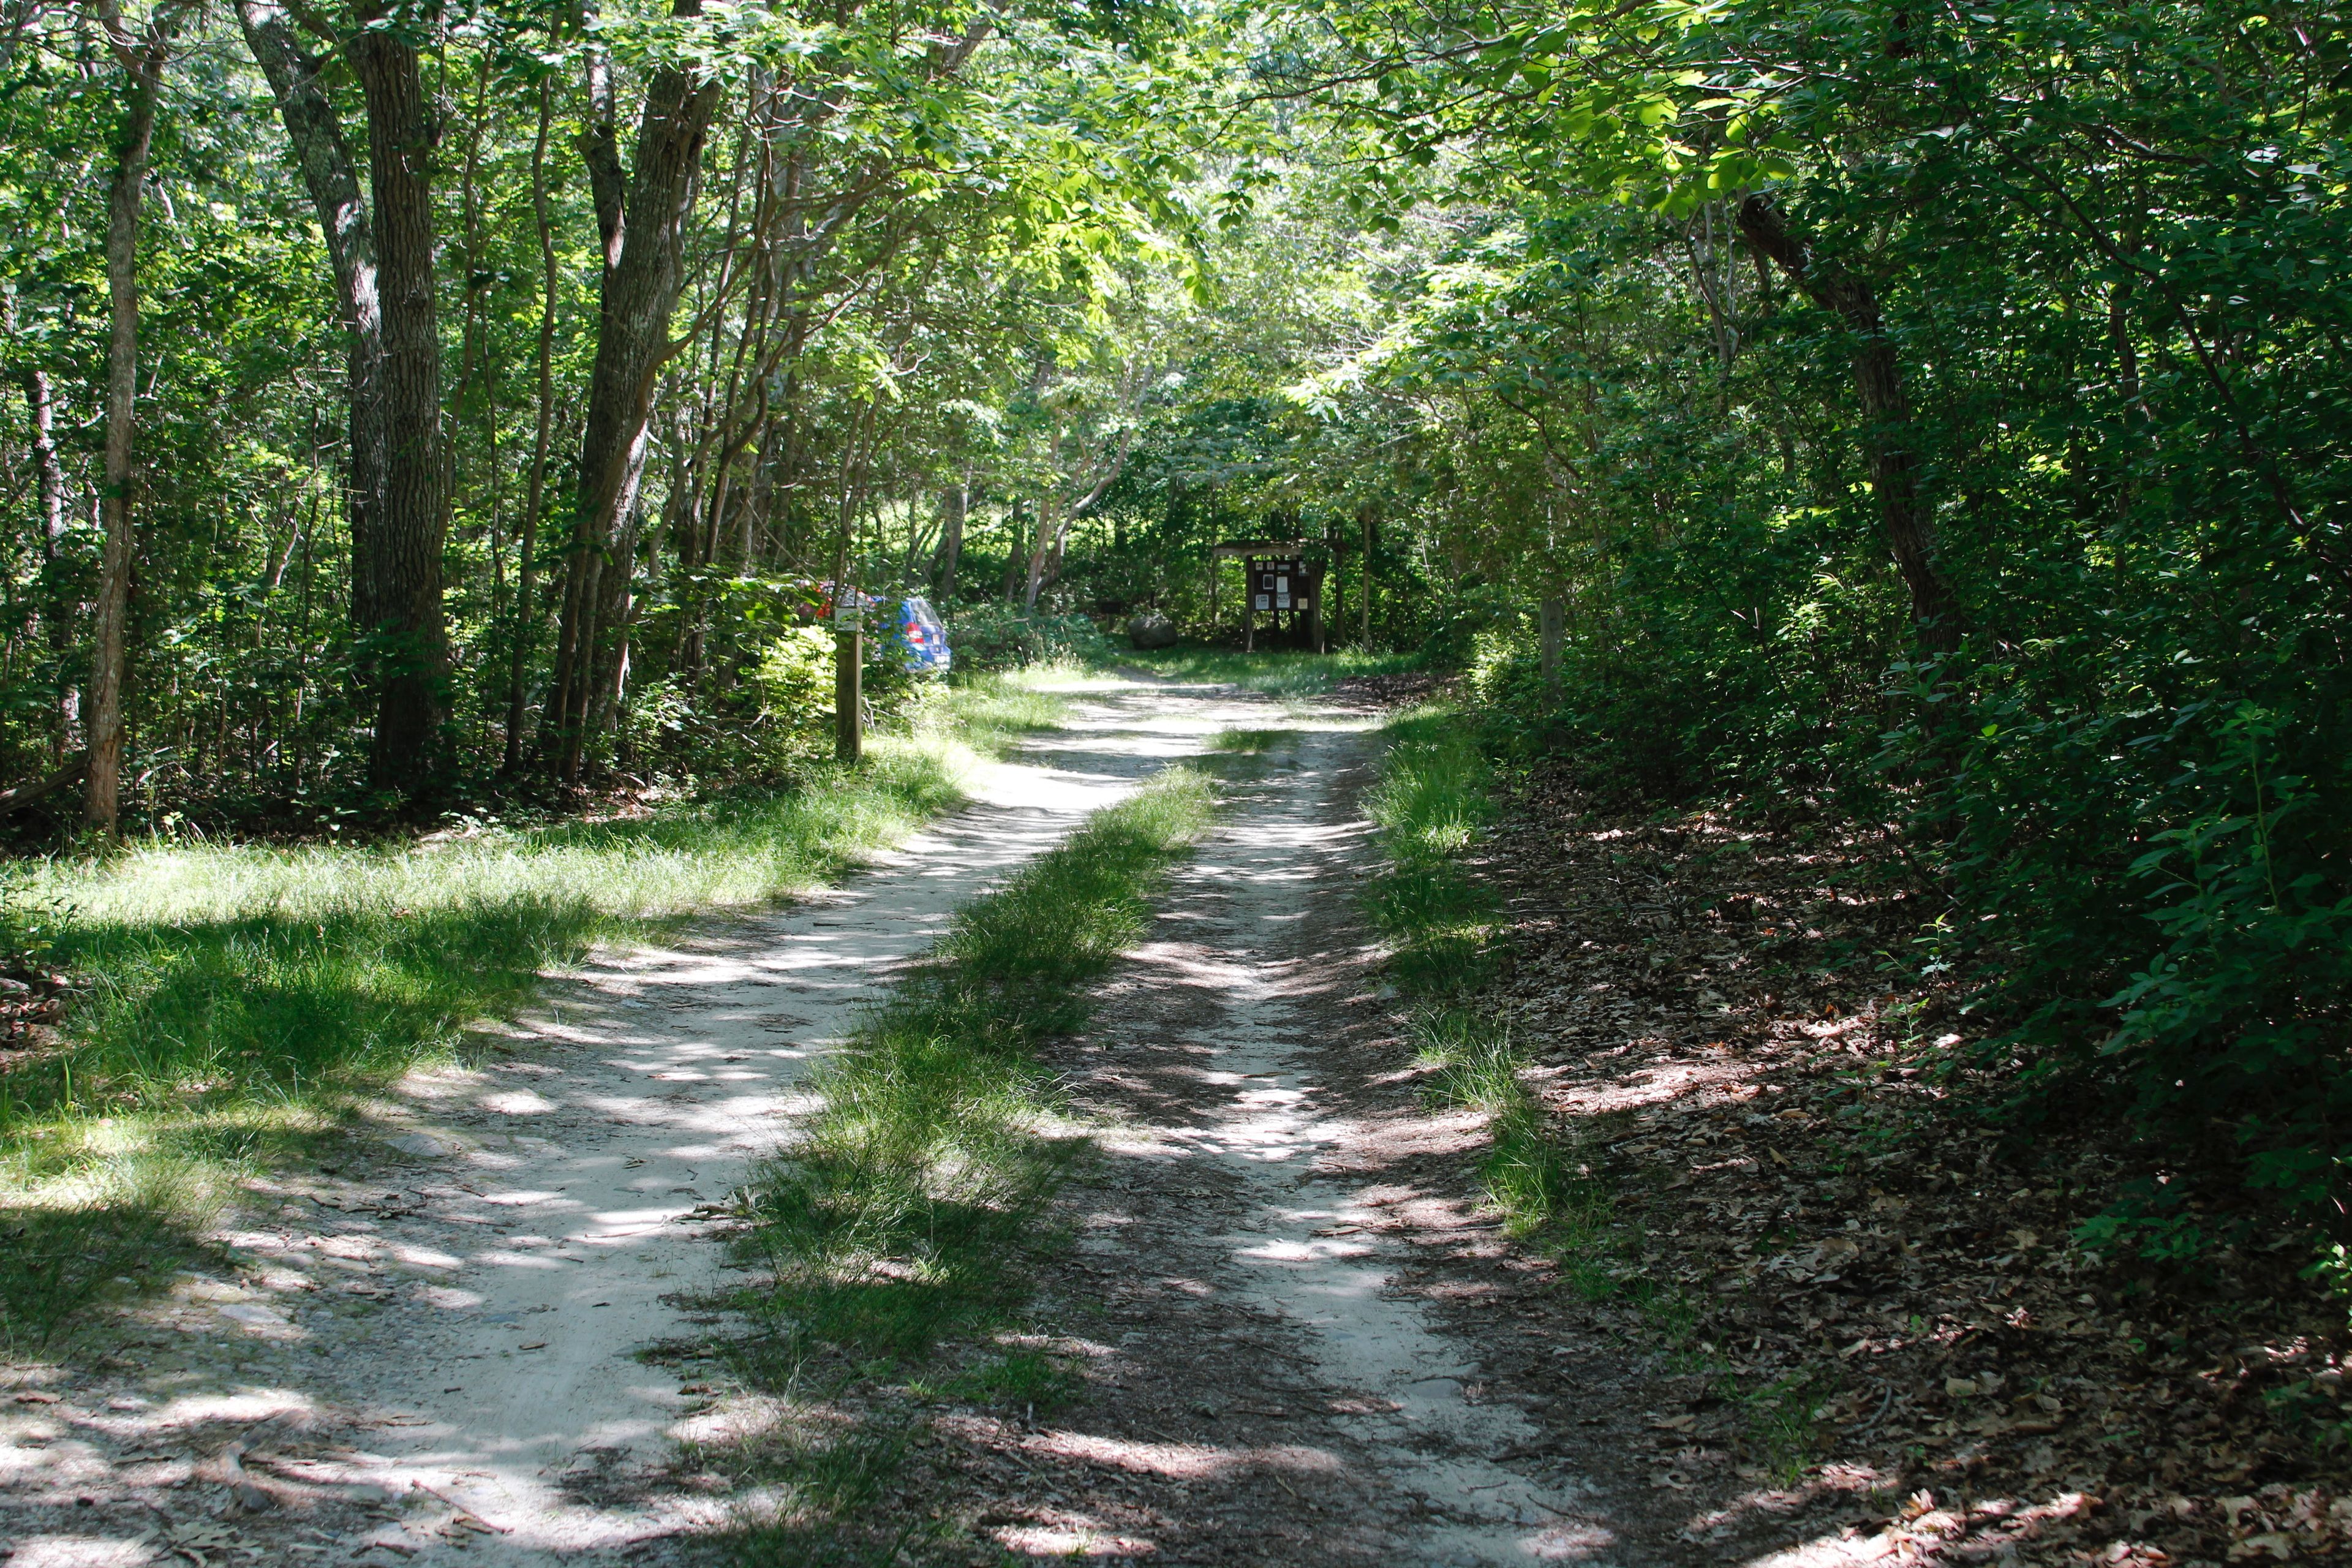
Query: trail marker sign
[(1277, 583)]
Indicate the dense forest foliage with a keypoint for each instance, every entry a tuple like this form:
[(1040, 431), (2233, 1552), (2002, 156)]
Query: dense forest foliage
[(1927, 416)]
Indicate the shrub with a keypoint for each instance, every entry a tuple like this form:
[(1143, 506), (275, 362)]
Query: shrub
[(998, 637)]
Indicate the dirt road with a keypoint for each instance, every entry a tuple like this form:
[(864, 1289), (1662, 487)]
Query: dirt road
[(441, 1346), (1264, 1294)]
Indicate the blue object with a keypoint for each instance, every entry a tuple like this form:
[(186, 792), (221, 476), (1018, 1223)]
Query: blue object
[(923, 636)]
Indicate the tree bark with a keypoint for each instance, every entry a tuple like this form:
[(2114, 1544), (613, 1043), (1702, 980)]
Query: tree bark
[(1552, 631), (414, 644), (525, 617), (1887, 433), (643, 225), (316, 133), (1040, 548), (1015, 543), (141, 59)]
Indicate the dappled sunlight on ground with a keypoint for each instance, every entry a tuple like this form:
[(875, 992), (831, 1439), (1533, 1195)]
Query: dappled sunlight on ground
[(439, 1328)]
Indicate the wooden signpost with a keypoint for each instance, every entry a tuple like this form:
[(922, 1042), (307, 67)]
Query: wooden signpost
[(848, 675)]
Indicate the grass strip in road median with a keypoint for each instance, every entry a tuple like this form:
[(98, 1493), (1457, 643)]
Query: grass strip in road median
[(910, 1208), (902, 1210)]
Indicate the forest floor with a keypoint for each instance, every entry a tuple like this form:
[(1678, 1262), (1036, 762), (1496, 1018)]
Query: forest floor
[(1873, 1306), (1273, 1318)]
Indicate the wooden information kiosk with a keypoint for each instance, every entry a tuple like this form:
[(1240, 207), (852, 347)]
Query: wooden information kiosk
[(1279, 586)]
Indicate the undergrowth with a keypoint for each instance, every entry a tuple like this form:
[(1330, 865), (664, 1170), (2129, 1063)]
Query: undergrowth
[(912, 1207), (239, 1002)]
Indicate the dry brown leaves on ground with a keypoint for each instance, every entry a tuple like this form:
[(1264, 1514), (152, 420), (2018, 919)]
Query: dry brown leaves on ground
[(32, 999), (1865, 1289)]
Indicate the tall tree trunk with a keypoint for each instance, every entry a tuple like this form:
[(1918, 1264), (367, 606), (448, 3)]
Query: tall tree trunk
[(618, 615), (526, 615), (644, 222), (141, 59), (1040, 549), (1016, 536), (760, 497), (1046, 561), (316, 133), (413, 653), (1041, 546), (1887, 433)]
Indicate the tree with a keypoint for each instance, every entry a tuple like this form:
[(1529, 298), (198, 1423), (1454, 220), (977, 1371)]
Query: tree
[(141, 54), (413, 649), (641, 214), (314, 129), (1885, 410)]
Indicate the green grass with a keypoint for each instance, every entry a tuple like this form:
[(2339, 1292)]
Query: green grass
[(1471, 1060), (1430, 802), (903, 1210), (1021, 1379), (1277, 674), (912, 1207), (1248, 743), (992, 713), (243, 1000), (1533, 1180), (1783, 1422)]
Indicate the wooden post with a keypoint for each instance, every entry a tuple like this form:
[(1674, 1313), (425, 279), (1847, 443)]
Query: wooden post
[(1334, 579), (1314, 606), (1249, 604), (848, 675)]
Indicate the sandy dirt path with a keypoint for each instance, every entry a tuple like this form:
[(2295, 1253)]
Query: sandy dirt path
[(1300, 1244), (1274, 1373), (435, 1344)]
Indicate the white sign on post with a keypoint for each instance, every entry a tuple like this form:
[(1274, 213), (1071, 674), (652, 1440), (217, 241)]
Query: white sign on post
[(844, 614)]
